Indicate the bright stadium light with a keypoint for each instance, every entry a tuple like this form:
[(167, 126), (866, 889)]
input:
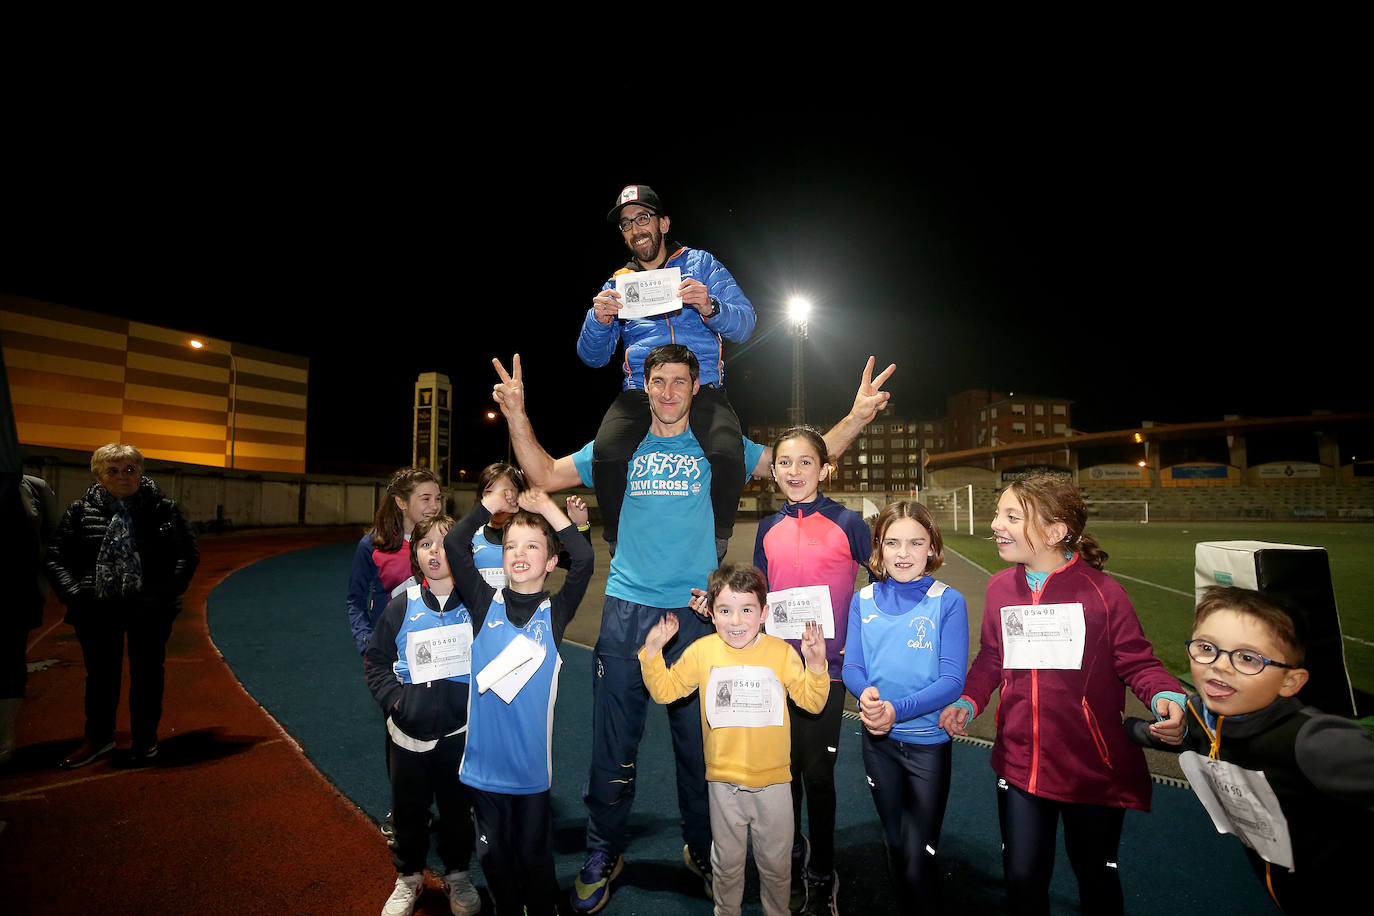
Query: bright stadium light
[(798, 308)]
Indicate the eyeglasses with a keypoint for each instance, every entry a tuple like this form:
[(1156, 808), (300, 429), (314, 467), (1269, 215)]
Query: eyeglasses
[(640, 220), (113, 471), (1246, 661)]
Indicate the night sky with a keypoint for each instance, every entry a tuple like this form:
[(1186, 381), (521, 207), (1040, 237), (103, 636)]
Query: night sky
[(1152, 265)]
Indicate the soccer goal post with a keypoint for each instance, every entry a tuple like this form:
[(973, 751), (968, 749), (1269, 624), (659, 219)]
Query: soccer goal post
[(954, 507), (1119, 510)]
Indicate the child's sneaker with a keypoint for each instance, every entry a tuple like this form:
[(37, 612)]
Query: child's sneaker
[(699, 867), (592, 888), (801, 857), (821, 894), (462, 896), (402, 899)]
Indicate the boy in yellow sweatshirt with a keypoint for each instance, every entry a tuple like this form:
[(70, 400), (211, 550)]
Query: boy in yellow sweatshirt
[(745, 677)]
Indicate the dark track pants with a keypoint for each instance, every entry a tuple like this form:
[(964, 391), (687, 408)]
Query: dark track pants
[(910, 785), (1092, 835), (619, 707), (515, 846), (416, 780)]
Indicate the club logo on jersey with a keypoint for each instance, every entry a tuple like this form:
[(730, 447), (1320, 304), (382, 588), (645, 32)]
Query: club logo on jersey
[(923, 627)]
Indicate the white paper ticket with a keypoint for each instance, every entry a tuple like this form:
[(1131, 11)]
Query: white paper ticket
[(439, 652), (791, 609), (648, 292), (1241, 802), (1043, 635), (747, 696)]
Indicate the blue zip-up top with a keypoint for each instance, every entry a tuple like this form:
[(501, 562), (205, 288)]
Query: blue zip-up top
[(598, 342)]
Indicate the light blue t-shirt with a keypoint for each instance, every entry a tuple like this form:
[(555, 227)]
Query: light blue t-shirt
[(667, 543)]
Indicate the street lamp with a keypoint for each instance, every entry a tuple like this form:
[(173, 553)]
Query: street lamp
[(797, 311), (233, 392), (492, 415)]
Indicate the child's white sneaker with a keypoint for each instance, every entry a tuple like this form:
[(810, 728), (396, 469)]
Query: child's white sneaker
[(402, 899), (462, 896)]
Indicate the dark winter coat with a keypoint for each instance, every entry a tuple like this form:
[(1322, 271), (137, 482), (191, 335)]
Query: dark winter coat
[(165, 542)]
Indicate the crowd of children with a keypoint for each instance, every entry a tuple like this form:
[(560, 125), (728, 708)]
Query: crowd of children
[(469, 717)]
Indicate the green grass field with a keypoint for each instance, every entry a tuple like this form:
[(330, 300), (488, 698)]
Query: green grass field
[(1162, 553)]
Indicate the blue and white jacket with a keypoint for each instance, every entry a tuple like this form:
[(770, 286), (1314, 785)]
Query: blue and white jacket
[(598, 342)]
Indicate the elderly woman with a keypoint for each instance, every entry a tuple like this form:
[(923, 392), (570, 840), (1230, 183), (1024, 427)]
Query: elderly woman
[(122, 556)]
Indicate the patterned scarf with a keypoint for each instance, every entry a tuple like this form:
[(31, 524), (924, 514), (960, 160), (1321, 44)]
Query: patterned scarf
[(118, 569)]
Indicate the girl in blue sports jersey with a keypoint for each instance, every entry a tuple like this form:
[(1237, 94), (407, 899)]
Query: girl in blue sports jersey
[(905, 657)]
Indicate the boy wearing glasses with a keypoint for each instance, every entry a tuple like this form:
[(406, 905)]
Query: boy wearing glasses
[(713, 307), (1296, 786)]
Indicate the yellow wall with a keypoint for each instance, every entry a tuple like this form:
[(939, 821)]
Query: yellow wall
[(80, 379)]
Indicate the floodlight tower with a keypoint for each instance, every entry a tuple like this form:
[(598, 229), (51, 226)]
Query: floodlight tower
[(797, 310)]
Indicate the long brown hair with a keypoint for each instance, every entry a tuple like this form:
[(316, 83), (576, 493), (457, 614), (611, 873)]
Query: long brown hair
[(387, 533), (1049, 498)]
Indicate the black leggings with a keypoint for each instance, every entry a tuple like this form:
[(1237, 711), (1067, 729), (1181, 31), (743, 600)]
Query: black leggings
[(910, 785), (815, 741), (1092, 834), (716, 427)]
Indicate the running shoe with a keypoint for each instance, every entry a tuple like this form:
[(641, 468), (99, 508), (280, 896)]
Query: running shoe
[(462, 896), (701, 867), (592, 888), (821, 894), (403, 898)]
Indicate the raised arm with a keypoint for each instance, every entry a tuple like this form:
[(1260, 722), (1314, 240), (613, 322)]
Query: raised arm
[(869, 399), (541, 468), (472, 588)]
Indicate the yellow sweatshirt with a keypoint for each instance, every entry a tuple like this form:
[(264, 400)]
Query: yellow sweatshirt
[(757, 755)]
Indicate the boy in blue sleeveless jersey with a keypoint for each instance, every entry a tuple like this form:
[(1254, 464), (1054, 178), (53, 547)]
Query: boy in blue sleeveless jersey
[(417, 665), (507, 765)]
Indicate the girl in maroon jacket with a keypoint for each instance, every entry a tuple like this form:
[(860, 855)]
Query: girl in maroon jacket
[(1061, 640)]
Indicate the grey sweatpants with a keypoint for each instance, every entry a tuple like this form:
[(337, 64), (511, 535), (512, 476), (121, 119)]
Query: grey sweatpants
[(735, 811)]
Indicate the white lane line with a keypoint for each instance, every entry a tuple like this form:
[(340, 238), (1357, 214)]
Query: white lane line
[(968, 561), (1172, 591), (1117, 575)]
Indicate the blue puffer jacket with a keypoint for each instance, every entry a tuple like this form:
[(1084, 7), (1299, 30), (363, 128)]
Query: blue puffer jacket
[(598, 342)]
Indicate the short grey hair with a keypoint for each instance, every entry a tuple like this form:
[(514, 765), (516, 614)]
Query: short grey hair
[(114, 453)]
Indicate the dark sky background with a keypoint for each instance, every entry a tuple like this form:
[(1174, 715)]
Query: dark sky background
[(1156, 264)]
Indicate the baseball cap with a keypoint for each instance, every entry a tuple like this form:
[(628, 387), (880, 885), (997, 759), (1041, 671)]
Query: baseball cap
[(640, 194)]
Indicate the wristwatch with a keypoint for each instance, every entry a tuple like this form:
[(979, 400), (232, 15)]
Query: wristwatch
[(715, 310)]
